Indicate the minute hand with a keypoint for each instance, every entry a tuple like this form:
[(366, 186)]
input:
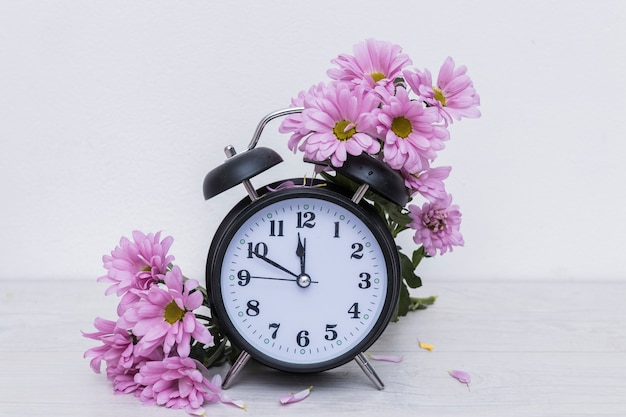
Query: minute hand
[(274, 264)]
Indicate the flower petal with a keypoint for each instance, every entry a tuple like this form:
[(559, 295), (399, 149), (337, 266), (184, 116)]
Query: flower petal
[(426, 346), (225, 399), (461, 376), (385, 358), (295, 397)]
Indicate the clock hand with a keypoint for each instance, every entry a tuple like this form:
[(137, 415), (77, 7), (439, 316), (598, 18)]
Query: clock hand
[(274, 264), (280, 279), (273, 278), (301, 253)]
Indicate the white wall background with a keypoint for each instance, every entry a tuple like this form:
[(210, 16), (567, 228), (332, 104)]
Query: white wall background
[(112, 112)]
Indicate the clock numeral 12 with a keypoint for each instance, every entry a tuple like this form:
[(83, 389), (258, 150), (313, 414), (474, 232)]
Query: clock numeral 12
[(305, 219)]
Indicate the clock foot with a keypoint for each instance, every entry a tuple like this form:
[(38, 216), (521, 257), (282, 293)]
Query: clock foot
[(234, 370), (369, 371)]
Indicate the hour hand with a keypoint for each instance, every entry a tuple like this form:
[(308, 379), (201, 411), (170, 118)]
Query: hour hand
[(301, 253), (274, 264)]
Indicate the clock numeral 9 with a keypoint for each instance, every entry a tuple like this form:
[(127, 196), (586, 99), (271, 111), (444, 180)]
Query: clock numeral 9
[(302, 339), (253, 308), (260, 249), (305, 219), (244, 277)]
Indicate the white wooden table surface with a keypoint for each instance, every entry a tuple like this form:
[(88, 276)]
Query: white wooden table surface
[(532, 348)]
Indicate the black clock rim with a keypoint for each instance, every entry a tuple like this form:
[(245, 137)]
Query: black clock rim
[(326, 191)]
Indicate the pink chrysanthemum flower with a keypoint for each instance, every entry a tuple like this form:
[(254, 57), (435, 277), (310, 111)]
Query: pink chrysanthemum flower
[(137, 264), (454, 95), (164, 316), (123, 380), (409, 131), (428, 183), (375, 63), (176, 382), (294, 123), (117, 348), (341, 123), (436, 226)]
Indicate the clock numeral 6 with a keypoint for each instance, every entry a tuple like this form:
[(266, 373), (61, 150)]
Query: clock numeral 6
[(253, 308), (302, 339)]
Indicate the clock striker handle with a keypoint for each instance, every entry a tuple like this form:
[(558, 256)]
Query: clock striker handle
[(369, 371), (235, 369)]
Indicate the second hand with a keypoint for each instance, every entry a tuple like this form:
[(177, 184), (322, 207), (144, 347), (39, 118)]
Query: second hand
[(279, 279)]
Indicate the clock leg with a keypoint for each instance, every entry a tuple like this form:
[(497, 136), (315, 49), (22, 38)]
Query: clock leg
[(234, 370), (369, 371)]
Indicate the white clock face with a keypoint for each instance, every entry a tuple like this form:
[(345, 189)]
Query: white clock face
[(304, 280)]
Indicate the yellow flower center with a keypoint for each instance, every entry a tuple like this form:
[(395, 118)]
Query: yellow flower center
[(402, 127), (439, 96), (344, 130), (146, 268), (173, 313), (377, 76)]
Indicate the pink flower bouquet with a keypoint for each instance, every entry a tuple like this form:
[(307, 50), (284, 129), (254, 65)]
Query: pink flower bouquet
[(161, 343), (163, 339), (376, 104)]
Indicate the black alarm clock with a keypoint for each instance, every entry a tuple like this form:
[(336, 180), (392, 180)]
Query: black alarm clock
[(303, 275)]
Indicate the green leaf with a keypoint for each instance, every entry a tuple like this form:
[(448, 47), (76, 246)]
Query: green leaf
[(403, 303), (418, 255), (408, 273), (416, 303)]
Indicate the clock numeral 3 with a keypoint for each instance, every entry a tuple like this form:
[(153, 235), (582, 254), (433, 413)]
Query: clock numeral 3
[(305, 219), (253, 308), (303, 338), (354, 310), (365, 283)]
